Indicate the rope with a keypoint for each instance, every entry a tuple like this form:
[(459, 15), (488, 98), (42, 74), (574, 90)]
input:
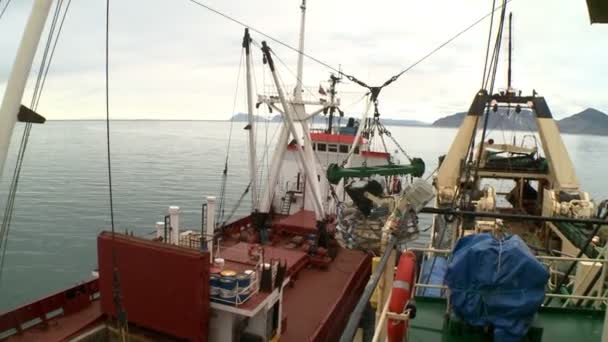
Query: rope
[(238, 22), (320, 62), (116, 289), (432, 52), (258, 170), (220, 211), (237, 206), (388, 133), (493, 72), (8, 2), (9, 208), (52, 52), (485, 67), (359, 133)]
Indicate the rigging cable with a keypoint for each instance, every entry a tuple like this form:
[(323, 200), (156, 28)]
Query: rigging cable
[(116, 289), (327, 65), (10, 204), (491, 88), (395, 77), (458, 197), (8, 2), (220, 211), (264, 34), (485, 67)]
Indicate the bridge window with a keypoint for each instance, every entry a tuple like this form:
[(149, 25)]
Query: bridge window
[(321, 147), (332, 148), (343, 148)]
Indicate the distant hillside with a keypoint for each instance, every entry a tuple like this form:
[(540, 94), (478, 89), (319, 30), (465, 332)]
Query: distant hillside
[(503, 119), (453, 120), (589, 121), (399, 122), (242, 117)]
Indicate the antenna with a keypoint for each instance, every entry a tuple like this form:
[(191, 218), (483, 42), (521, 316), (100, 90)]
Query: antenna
[(510, 48)]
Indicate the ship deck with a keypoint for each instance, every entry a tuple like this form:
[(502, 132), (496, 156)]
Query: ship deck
[(317, 301), (320, 301), (557, 324)]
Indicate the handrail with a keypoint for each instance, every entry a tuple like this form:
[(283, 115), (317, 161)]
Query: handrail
[(553, 295), (42, 310)]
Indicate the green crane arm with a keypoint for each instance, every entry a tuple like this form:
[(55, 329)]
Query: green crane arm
[(335, 173)]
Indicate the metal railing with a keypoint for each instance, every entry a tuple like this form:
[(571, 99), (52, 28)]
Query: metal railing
[(541, 258)]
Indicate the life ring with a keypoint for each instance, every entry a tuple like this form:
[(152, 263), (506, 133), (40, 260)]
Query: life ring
[(401, 294)]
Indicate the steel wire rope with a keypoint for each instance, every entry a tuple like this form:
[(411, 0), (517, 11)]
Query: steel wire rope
[(490, 70), (9, 207), (485, 67), (52, 52), (264, 34), (116, 289), (219, 216), (493, 73), (8, 2), (320, 62), (282, 84), (240, 200), (258, 175)]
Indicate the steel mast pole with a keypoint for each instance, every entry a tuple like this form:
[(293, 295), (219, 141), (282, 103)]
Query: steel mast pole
[(17, 80), (298, 90), (252, 128), (310, 172), (300, 111)]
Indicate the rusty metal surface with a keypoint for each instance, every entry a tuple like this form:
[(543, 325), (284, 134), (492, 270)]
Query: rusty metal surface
[(164, 288), (51, 310)]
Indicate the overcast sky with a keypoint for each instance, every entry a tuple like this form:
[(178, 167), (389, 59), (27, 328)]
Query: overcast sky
[(171, 59)]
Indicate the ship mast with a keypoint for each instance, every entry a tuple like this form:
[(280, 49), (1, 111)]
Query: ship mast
[(298, 89), (251, 126), (314, 188), (17, 80), (510, 47), (307, 159)]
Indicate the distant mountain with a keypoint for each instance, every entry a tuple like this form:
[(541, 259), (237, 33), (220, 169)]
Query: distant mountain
[(453, 120), (242, 117), (400, 122), (503, 119), (589, 121)]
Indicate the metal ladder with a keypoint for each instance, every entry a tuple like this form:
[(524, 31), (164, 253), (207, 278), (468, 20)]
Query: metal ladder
[(286, 205)]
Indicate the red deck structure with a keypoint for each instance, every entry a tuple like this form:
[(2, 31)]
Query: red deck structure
[(301, 223), (164, 288), (56, 317), (237, 257)]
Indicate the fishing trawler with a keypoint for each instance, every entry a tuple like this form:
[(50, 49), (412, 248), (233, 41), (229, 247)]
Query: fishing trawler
[(306, 264), (254, 278)]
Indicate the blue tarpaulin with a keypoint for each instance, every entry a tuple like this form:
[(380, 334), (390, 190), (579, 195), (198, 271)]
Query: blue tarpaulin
[(496, 283)]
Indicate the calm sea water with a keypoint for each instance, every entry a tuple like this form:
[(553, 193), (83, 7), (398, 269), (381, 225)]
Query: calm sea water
[(62, 203)]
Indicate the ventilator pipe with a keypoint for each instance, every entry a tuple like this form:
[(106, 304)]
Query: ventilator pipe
[(174, 217)]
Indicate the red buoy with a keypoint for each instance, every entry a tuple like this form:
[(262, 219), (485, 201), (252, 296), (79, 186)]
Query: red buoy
[(401, 294)]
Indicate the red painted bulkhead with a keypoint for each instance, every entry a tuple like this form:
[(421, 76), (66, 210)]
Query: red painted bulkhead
[(164, 288)]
